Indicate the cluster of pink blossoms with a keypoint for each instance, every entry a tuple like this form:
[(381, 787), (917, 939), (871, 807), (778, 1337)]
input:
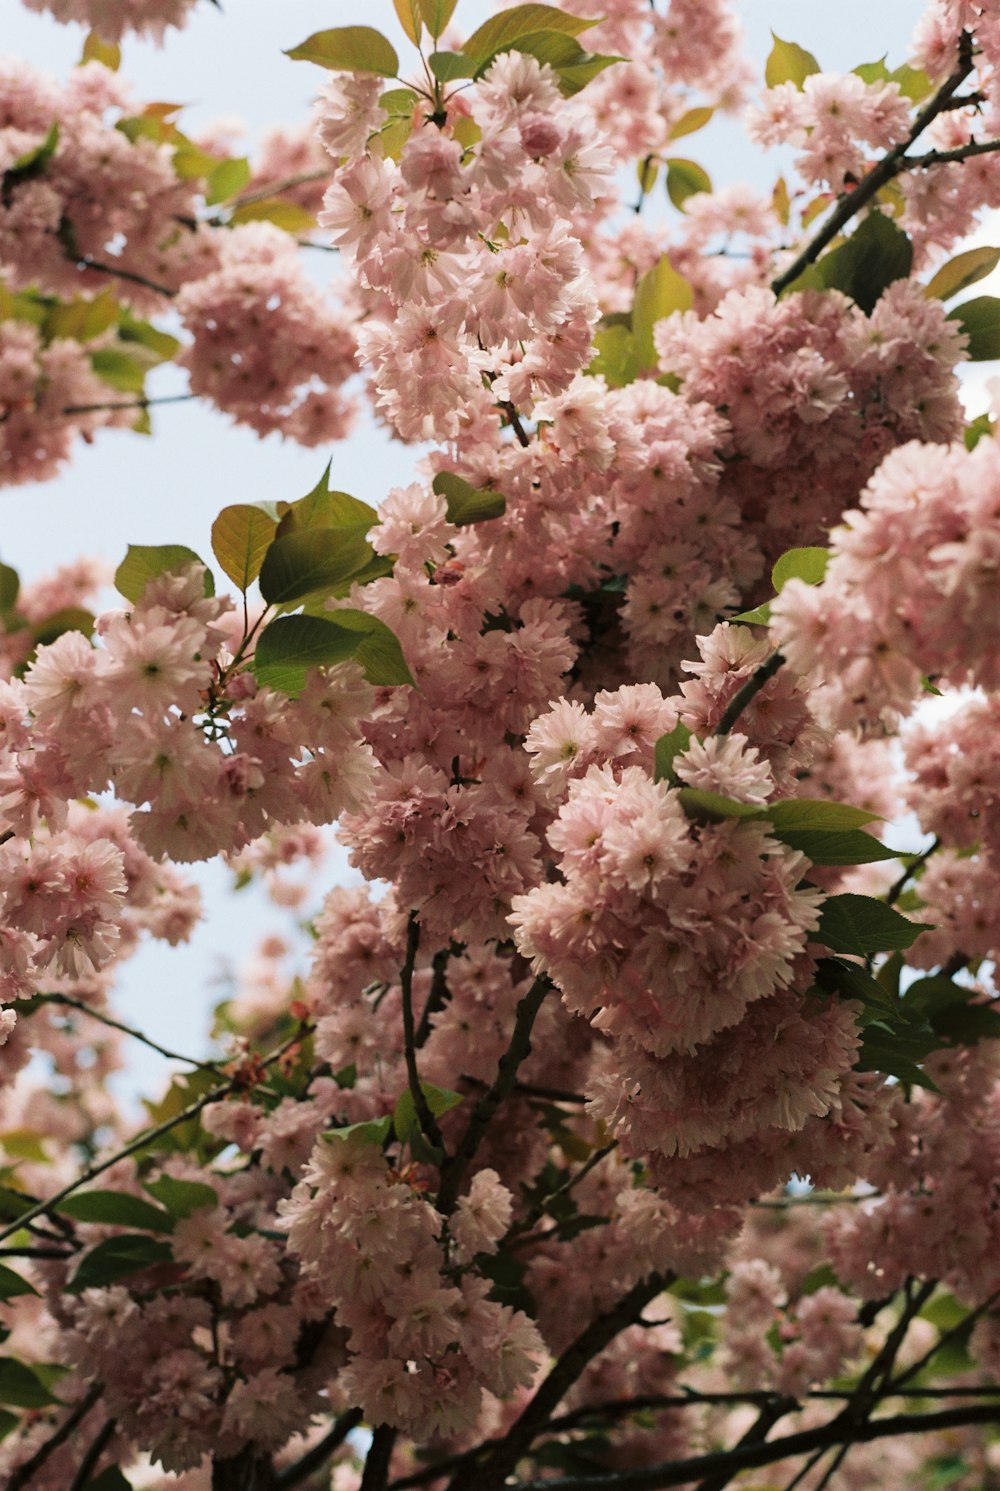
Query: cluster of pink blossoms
[(49, 395), (113, 19), (422, 1350), (483, 296), (909, 592), (830, 117), (265, 347)]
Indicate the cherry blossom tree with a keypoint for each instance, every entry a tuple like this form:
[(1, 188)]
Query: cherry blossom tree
[(636, 1124)]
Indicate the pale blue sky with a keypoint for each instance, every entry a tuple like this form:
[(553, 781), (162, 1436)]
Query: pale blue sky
[(125, 489)]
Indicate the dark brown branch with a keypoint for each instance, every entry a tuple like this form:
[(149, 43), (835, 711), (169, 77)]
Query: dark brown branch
[(103, 1019), (748, 691), (898, 886), (428, 1123), (484, 1112), (68, 1427), (514, 420), (317, 1457), (890, 166), (533, 1420), (83, 261), (949, 157), (92, 1454), (376, 1474), (751, 1456)]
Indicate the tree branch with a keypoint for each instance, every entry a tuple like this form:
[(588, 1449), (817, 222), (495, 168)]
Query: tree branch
[(751, 1456), (533, 1420), (79, 1004), (485, 1110), (147, 1137), (428, 1123), (890, 166), (317, 1457), (24, 1473), (748, 691), (376, 1473)]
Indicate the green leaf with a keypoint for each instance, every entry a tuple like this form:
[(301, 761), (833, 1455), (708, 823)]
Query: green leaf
[(759, 616), (982, 427), (872, 72), (966, 1024), (10, 585), (500, 32), (119, 370), (848, 847), (647, 171), (406, 1124), (377, 648), (398, 101), (788, 63), (980, 320), (158, 345), (693, 120), (301, 563), (466, 503), (667, 747), (816, 813), (800, 564), (144, 562), (8, 1423), (116, 1258), (20, 1387), (227, 180), (349, 49), (373, 1131), (877, 253), (685, 178), (712, 807), (408, 15), (11, 1284), (72, 619), (436, 14), (241, 536), (854, 982), (896, 1053), (182, 1197), (962, 271), (290, 646), (31, 165), (288, 216), (110, 1479), (660, 293), (914, 84), (96, 49), (575, 67), (447, 67), (614, 356), (862, 924), (116, 1209)]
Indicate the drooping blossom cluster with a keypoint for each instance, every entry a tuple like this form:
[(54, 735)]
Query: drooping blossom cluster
[(908, 594), (113, 19)]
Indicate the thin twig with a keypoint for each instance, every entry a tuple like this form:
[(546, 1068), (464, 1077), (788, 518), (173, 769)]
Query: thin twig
[(173, 398), (147, 1137), (898, 886), (83, 261), (79, 1004)]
